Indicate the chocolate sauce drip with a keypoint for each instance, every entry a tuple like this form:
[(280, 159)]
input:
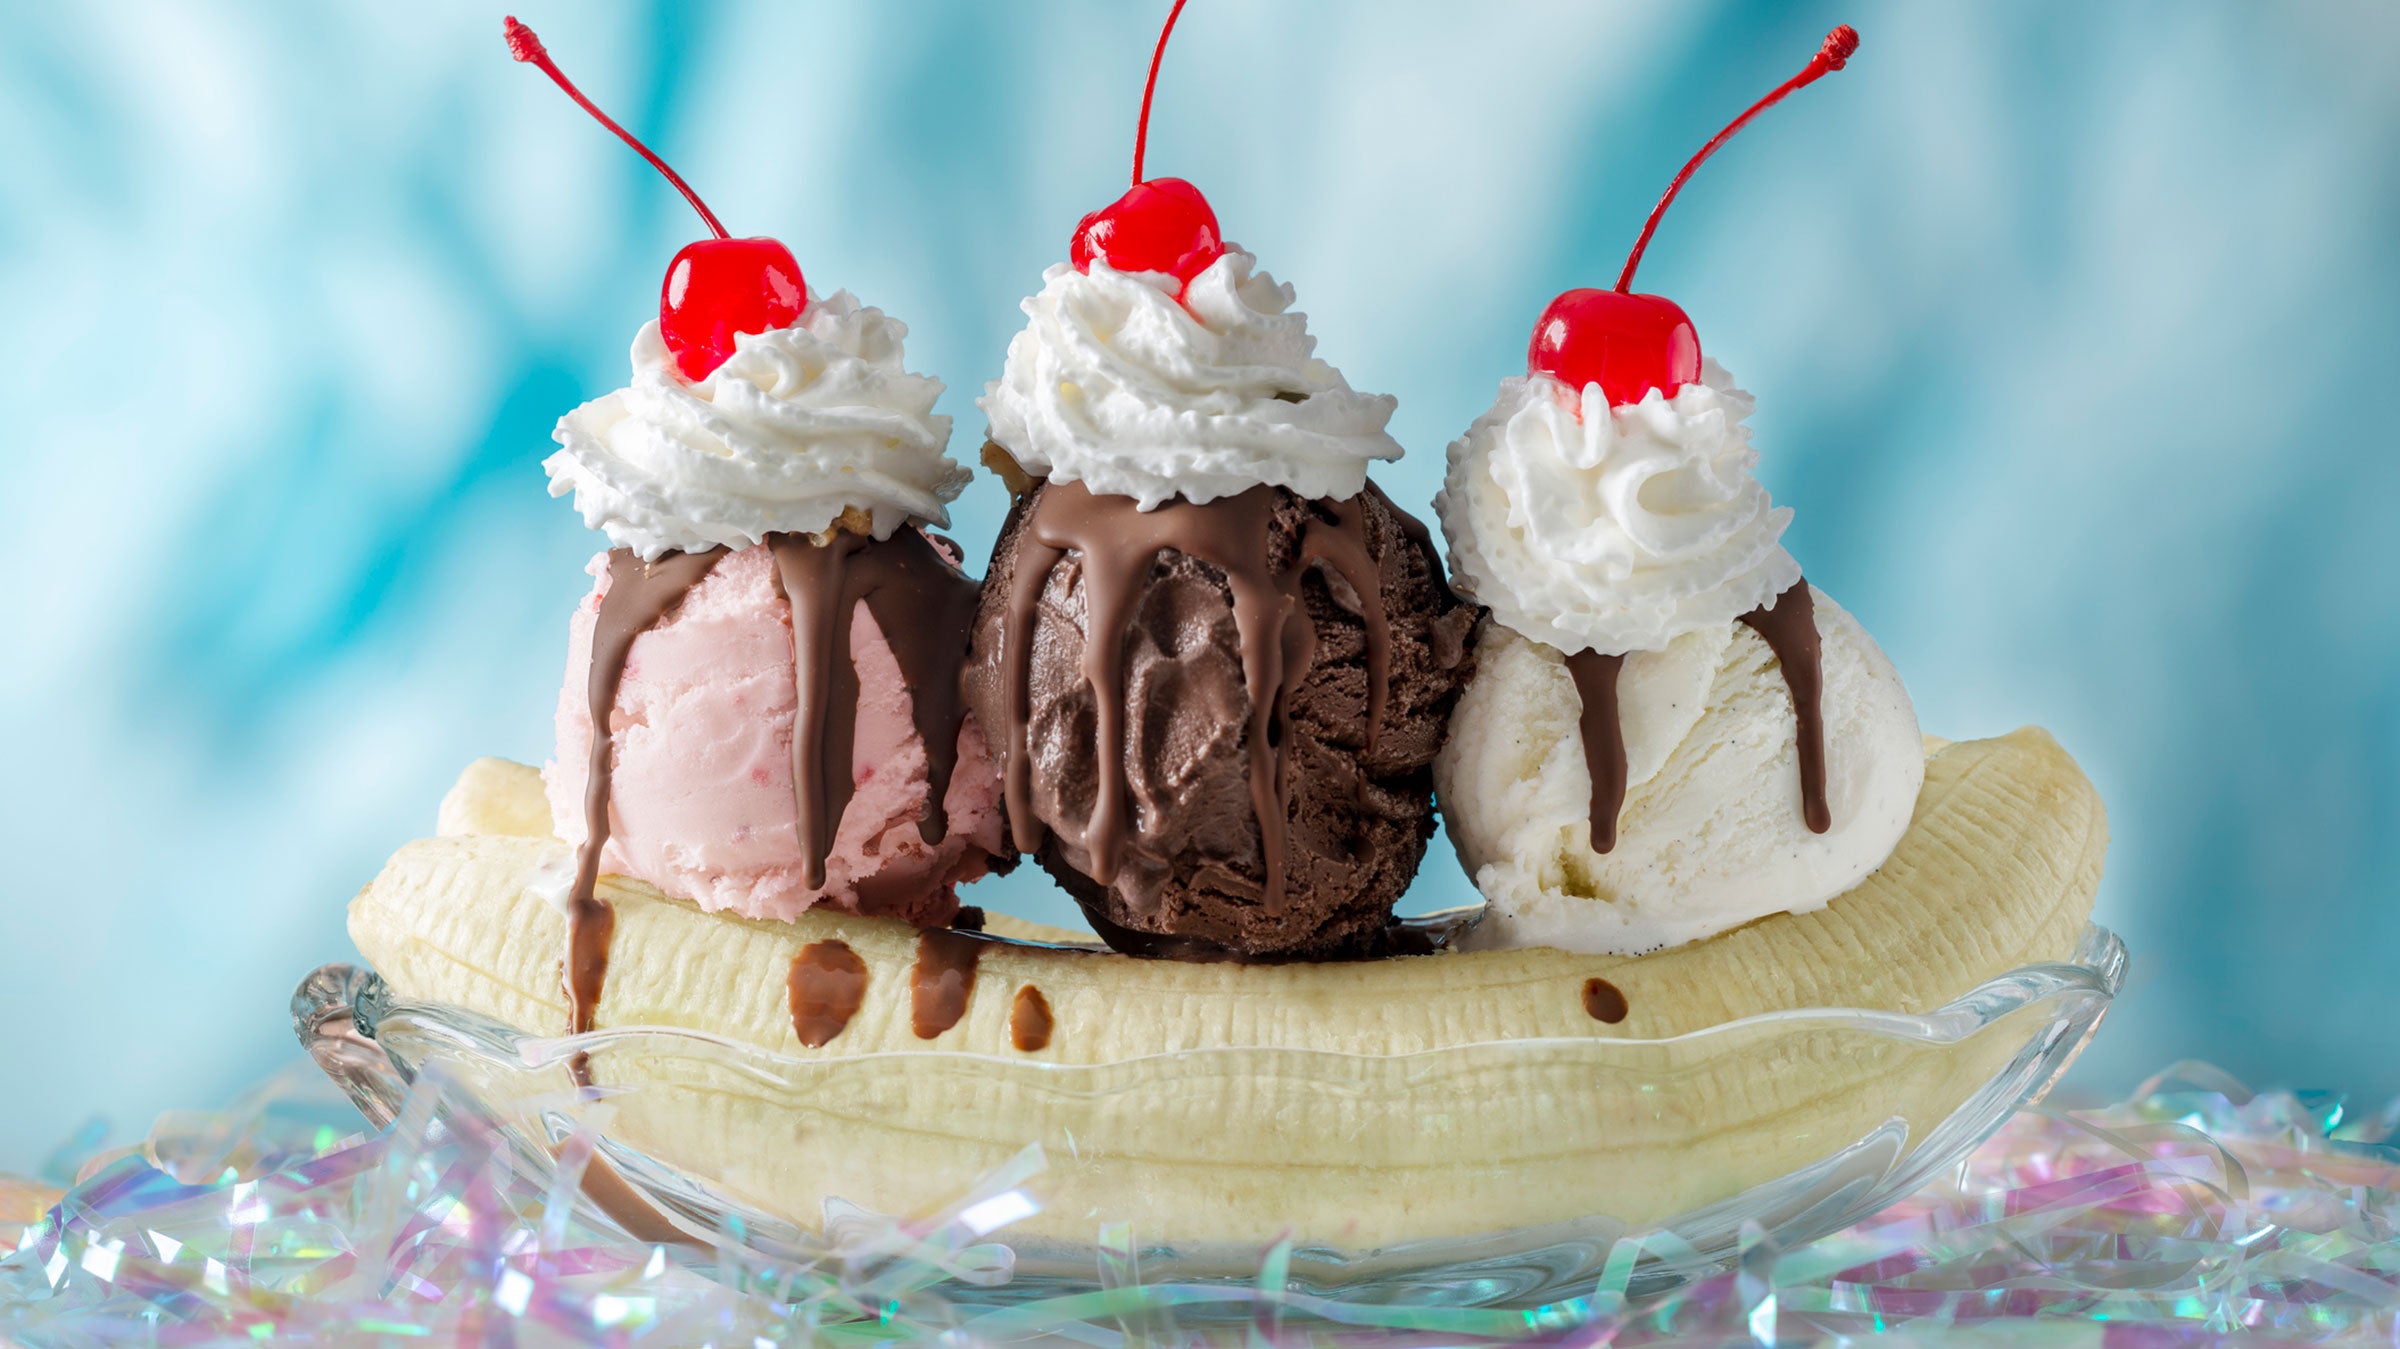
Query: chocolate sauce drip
[(1603, 739), (942, 979), (926, 610), (828, 983), (1449, 640), (1789, 627), (1604, 1001), (591, 925), (1116, 545), (1343, 547), (640, 596), (1029, 1021)]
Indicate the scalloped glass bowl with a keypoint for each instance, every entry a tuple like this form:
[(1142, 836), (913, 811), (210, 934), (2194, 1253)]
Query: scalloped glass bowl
[(722, 1138)]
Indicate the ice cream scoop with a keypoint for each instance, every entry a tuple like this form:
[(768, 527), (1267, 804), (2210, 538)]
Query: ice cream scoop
[(1215, 663), (784, 495), (703, 800), (1217, 719), (1670, 733), (1712, 833), (1673, 733)]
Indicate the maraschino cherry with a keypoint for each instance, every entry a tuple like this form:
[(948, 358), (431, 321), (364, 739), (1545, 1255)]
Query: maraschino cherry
[(1629, 344), (1160, 224), (715, 288)]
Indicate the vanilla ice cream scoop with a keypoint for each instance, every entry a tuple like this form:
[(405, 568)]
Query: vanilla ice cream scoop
[(1712, 833), (1670, 734)]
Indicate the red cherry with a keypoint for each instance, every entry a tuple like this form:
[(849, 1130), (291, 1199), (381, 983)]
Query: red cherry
[(718, 287), (714, 288), (1629, 344), (1163, 225), (1626, 344), (1160, 224)]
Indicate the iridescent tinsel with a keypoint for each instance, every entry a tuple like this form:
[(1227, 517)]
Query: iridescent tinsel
[(2195, 1213)]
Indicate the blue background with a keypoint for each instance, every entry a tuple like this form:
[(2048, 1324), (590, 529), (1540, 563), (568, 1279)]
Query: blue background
[(2074, 330)]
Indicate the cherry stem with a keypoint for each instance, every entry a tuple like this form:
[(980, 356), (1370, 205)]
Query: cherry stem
[(1141, 131), (1839, 44), (524, 46)]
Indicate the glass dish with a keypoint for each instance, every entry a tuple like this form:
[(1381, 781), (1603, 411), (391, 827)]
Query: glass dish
[(1089, 1197)]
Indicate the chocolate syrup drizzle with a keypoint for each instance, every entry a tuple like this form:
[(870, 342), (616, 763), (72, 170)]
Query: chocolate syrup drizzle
[(1116, 545), (1603, 739), (926, 611), (1789, 628), (640, 596)]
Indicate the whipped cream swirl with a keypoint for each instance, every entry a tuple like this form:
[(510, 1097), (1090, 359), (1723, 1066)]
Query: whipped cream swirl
[(797, 426), (1116, 385), (1587, 527)]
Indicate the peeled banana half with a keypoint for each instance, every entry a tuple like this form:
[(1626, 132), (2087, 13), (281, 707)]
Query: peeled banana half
[(1355, 1105)]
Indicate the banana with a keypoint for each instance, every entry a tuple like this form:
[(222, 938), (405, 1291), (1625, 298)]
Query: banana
[(1356, 1105)]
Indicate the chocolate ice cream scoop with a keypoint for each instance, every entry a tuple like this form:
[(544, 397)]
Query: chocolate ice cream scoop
[(1217, 721)]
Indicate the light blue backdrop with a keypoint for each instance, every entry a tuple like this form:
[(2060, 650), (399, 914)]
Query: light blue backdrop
[(2073, 328)]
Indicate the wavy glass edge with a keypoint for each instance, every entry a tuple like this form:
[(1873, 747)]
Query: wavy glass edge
[(337, 1009)]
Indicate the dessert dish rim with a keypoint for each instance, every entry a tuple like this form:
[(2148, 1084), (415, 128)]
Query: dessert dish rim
[(1507, 1266)]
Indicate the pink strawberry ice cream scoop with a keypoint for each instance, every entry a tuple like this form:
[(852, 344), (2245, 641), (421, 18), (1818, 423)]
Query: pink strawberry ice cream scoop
[(703, 803)]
